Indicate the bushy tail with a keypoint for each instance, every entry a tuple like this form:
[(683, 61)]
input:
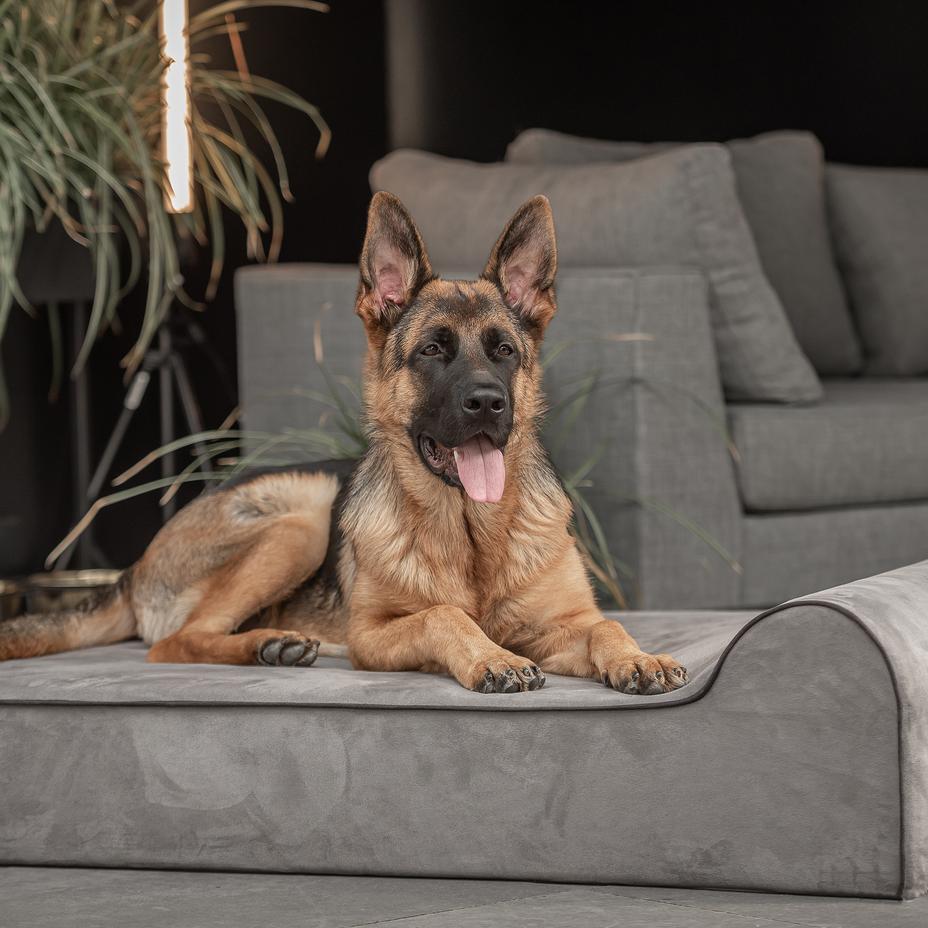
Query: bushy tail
[(104, 618)]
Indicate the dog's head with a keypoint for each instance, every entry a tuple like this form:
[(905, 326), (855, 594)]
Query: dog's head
[(452, 370)]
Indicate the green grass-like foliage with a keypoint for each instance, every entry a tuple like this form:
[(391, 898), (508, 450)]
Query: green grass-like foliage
[(80, 123)]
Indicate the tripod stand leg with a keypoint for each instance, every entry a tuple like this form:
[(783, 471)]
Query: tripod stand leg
[(80, 430), (172, 372), (188, 402), (134, 396), (166, 390)]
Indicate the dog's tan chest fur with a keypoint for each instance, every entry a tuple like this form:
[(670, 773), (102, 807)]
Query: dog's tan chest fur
[(484, 559)]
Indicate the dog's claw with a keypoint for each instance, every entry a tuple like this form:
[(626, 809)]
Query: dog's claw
[(504, 679), (645, 675), (533, 677), (487, 685)]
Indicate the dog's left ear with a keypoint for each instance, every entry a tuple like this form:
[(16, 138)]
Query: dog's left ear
[(523, 262)]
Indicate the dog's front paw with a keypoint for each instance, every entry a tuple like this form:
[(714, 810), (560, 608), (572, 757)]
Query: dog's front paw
[(506, 673), (644, 674), (287, 649)]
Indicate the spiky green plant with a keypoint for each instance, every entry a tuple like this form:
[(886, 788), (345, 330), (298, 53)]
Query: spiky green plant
[(80, 141)]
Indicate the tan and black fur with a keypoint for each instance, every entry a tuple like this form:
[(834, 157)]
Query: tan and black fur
[(393, 559)]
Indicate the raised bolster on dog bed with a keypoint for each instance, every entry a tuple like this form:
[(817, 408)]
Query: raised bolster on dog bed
[(794, 761)]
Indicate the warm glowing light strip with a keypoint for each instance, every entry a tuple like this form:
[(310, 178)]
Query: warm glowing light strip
[(175, 109)]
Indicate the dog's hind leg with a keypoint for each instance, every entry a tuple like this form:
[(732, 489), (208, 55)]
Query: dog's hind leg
[(288, 549)]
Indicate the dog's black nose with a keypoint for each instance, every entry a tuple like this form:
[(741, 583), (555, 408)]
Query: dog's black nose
[(485, 401)]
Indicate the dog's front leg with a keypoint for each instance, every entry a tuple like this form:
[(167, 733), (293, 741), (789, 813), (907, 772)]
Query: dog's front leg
[(618, 662), (443, 636), (589, 645)]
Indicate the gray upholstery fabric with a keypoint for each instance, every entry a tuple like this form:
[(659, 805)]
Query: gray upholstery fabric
[(879, 219), (119, 675), (794, 762), (679, 207), (294, 320), (637, 343), (791, 553), (546, 146), (866, 442), (780, 178), (654, 425)]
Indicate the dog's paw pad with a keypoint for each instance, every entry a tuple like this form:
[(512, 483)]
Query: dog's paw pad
[(288, 651)]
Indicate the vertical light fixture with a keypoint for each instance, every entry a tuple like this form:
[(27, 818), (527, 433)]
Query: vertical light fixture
[(175, 107)]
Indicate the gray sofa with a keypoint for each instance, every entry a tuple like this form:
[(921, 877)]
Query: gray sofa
[(743, 445), (794, 761)]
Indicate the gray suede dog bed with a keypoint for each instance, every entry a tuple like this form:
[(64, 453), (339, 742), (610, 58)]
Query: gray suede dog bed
[(796, 760)]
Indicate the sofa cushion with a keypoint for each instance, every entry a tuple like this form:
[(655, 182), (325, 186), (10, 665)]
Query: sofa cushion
[(785, 554), (866, 442), (879, 218), (119, 675), (781, 188), (678, 207)]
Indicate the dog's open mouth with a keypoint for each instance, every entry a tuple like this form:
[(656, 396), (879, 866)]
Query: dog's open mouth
[(476, 465)]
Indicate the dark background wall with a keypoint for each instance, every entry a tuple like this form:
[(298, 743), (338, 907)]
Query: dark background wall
[(336, 61), (467, 75), (462, 77)]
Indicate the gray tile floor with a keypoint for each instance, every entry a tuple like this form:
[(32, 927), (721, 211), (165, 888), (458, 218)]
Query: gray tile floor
[(32, 897)]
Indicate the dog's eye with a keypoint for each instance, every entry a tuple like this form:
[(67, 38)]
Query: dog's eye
[(505, 350), (431, 349)]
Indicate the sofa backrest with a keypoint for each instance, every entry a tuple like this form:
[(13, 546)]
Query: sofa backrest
[(679, 207), (879, 220), (780, 178)]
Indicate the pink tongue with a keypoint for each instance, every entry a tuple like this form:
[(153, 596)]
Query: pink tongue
[(481, 469)]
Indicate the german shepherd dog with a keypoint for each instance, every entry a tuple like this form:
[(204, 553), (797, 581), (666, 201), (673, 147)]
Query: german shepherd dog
[(445, 550)]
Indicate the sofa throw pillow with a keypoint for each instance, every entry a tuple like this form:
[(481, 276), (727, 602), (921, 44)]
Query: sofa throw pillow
[(780, 178), (879, 219), (679, 207)]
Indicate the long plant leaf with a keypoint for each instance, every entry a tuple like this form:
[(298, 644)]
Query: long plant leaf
[(80, 124)]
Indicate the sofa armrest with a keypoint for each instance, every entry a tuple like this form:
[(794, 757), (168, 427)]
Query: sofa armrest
[(892, 608), (663, 484), (290, 318)]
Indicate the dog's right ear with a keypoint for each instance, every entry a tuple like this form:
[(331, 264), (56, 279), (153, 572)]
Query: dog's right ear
[(394, 264)]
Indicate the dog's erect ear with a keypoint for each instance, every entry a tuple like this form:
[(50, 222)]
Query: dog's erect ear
[(523, 262), (393, 263)]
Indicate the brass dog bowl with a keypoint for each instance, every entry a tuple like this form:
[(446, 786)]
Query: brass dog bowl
[(65, 589), (11, 599)]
